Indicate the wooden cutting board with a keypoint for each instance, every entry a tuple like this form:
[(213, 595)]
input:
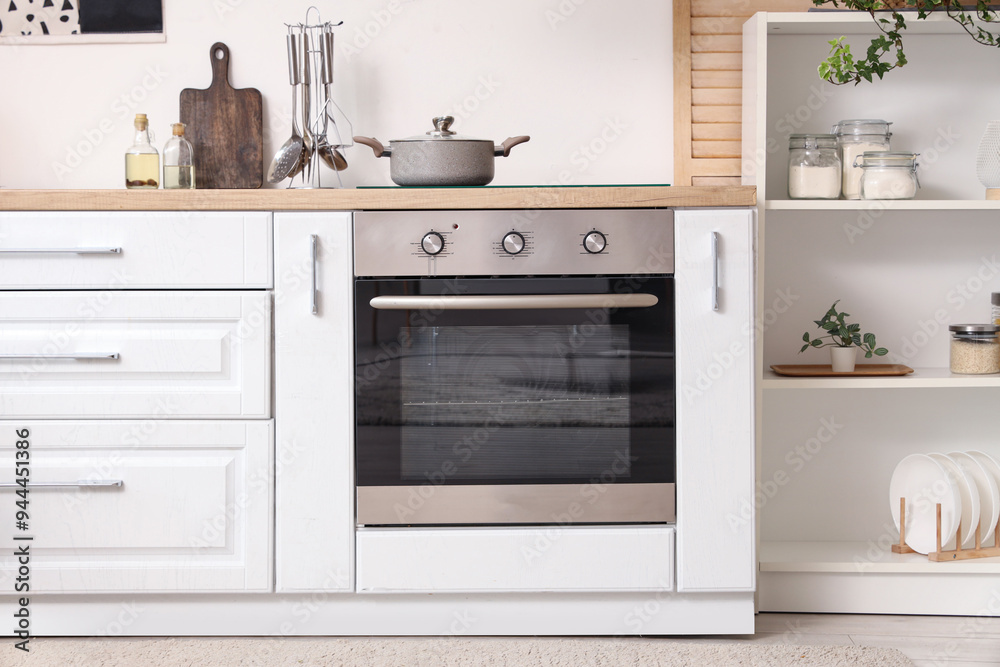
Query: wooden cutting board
[(225, 126)]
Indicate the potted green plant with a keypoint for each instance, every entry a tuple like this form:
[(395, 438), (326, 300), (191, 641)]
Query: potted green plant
[(843, 339), (842, 66)]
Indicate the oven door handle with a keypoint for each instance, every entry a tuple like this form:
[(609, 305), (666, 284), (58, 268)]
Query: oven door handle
[(513, 301)]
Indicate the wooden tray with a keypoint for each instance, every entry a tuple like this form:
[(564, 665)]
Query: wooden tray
[(860, 370)]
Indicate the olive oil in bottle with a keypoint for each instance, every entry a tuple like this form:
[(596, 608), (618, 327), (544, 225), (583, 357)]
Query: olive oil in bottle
[(142, 162), (178, 161)]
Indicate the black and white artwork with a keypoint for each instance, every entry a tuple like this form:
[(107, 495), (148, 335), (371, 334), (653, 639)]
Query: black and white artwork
[(80, 21)]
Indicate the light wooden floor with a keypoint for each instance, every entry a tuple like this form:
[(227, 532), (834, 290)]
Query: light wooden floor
[(938, 641)]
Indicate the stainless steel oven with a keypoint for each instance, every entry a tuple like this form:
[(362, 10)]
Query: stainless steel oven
[(514, 367)]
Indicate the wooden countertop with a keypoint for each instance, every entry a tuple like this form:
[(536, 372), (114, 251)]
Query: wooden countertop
[(642, 196)]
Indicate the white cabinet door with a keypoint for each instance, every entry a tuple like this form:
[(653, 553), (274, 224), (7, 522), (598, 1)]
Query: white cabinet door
[(135, 354), (314, 395), (151, 506), (715, 414), (134, 250)]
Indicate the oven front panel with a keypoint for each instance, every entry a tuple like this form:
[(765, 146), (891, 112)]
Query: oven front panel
[(534, 389)]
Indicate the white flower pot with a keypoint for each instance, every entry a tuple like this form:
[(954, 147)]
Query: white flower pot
[(843, 358)]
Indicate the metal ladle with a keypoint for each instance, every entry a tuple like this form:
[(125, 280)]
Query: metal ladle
[(330, 155), (287, 161)]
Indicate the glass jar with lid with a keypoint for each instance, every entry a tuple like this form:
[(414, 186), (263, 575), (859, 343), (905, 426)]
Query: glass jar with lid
[(975, 349), (886, 175), (814, 169), (855, 137)]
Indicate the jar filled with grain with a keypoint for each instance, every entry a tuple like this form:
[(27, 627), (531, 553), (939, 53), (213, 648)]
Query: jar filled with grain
[(975, 349)]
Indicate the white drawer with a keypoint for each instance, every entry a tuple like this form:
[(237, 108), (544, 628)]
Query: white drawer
[(192, 513), (135, 354), (135, 250), (536, 559)]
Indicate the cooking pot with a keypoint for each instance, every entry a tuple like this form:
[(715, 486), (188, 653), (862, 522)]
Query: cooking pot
[(441, 157)]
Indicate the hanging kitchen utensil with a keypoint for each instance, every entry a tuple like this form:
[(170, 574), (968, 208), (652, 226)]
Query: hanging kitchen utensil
[(289, 156)]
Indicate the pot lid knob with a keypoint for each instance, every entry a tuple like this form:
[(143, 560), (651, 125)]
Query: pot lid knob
[(441, 125)]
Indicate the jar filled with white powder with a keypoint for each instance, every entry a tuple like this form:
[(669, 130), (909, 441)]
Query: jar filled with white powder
[(975, 349), (813, 167), (854, 138), (888, 175)]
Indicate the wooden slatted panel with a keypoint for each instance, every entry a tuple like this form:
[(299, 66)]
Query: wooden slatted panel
[(716, 97), (708, 79), (715, 181)]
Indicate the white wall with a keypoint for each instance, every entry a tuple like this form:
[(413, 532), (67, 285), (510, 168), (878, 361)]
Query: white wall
[(571, 73)]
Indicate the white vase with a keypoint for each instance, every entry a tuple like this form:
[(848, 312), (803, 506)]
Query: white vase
[(988, 160), (843, 358)]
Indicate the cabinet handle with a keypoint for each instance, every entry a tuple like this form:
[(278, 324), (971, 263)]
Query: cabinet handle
[(715, 271), (65, 485), (64, 251), (76, 356), (314, 240)]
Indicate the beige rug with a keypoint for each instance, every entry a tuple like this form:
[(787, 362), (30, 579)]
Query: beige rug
[(431, 652)]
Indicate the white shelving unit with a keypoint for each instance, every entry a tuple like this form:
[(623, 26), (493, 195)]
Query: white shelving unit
[(904, 270)]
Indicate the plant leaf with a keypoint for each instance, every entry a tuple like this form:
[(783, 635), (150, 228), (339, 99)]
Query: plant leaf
[(870, 339), (881, 352)]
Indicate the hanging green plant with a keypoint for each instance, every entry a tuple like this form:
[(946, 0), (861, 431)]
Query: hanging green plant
[(885, 52)]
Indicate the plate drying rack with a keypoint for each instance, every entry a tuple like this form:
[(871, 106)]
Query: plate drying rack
[(958, 553)]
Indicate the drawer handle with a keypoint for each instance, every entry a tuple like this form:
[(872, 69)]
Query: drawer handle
[(314, 241), (76, 356), (65, 485), (64, 251), (715, 271)]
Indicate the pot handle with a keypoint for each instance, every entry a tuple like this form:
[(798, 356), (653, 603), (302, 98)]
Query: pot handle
[(375, 145), (503, 150)]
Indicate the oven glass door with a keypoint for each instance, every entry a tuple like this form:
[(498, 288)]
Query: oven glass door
[(515, 400)]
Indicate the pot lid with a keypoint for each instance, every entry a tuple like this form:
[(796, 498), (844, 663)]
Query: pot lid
[(441, 132)]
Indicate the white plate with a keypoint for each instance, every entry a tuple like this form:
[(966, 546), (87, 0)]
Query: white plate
[(990, 464), (989, 493), (969, 493), (924, 483)]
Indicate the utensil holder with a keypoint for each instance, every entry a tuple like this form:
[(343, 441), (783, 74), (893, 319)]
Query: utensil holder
[(958, 553), (321, 118)]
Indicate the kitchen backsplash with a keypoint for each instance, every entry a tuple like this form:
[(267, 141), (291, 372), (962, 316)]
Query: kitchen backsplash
[(590, 83)]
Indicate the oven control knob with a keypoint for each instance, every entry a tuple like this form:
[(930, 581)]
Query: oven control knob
[(432, 243), (513, 243), (595, 242)]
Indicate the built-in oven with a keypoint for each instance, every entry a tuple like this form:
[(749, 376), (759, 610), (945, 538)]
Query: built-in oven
[(514, 367)]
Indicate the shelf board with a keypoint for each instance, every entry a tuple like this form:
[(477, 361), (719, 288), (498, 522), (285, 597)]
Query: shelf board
[(919, 378), (855, 23), (858, 558), (881, 205)]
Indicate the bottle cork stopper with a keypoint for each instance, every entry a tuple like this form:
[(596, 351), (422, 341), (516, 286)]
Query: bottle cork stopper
[(178, 129), (140, 121)]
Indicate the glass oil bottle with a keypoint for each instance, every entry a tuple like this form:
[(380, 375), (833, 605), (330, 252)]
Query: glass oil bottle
[(142, 162), (178, 161)]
